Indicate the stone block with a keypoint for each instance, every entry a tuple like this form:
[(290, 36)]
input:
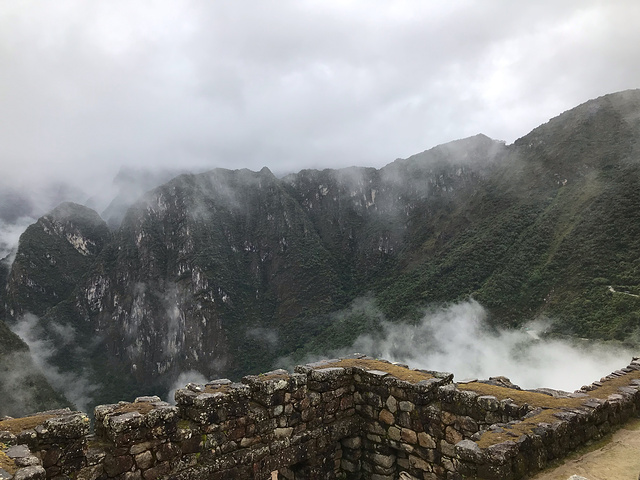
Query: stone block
[(329, 374), (167, 451), (22, 456), (34, 472), (428, 386), (447, 448), (404, 419), (283, 432), (135, 475), (406, 406), (116, 465), (346, 402), (352, 442), (137, 448), (69, 426), (385, 461), (501, 453), (466, 424), (452, 435), (372, 399), (419, 464), (392, 404), (425, 440), (386, 416), (92, 472), (156, 472), (163, 415), (349, 466), (51, 457), (27, 437), (409, 436), (144, 460), (469, 451), (488, 403)]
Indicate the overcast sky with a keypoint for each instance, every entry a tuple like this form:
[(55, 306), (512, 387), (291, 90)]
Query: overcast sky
[(87, 86)]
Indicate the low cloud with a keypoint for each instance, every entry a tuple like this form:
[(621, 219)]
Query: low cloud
[(458, 339), (10, 234), (75, 385), (190, 376), (263, 335), (21, 386)]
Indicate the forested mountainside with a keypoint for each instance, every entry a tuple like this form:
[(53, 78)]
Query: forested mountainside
[(225, 271)]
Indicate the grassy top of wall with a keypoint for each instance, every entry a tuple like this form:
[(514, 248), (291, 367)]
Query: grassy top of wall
[(549, 406), (398, 371), (17, 425)]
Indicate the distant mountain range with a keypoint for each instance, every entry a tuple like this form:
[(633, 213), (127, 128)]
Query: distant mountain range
[(225, 271)]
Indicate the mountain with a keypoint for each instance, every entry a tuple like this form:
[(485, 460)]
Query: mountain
[(52, 257), (225, 271), (130, 184), (549, 231)]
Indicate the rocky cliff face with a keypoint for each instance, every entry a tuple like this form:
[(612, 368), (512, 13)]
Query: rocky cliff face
[(53, 256), (223, 272), (199, 264)]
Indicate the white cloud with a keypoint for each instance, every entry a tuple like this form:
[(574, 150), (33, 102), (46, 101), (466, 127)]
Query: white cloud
[(74, 385), (190, 376), (291, 84), (457, 339)]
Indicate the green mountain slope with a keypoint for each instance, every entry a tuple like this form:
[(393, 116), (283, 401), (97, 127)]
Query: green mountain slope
[(547, 232)]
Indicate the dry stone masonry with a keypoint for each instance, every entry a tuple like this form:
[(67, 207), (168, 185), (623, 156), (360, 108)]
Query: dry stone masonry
[(350, 418)]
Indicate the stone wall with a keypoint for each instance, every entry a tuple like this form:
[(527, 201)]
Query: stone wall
[(355, 418)]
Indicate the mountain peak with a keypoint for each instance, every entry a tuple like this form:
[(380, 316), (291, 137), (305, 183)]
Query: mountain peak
[(611, 112), (67, 211)]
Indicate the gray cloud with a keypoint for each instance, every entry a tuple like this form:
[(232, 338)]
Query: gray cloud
[(289, 84), (10, 234), (87, 87)]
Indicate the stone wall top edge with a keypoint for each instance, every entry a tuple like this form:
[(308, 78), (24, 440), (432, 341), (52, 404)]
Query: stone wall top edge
[(622, 392), (224, 390)]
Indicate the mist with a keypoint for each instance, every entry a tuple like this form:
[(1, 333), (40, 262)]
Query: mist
[(76, 386), (22, 205), (20, 386), (264, 336), (190, 376), (10, 234), (458, 339)]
